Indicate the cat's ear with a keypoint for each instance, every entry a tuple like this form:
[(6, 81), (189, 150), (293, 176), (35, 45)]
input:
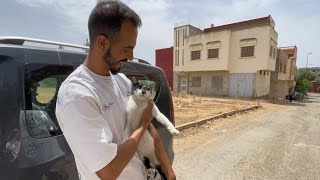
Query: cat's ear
[(153, 84), (134, 81)]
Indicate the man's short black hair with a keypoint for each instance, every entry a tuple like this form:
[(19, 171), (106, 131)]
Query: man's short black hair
[(107, 17)]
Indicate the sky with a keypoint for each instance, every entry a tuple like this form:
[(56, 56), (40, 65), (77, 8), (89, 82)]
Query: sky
[(297, 21)]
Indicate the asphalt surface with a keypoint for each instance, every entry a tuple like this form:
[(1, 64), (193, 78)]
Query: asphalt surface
[(275, 142)]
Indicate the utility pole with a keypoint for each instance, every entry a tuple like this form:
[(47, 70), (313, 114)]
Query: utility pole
[(307, 60)]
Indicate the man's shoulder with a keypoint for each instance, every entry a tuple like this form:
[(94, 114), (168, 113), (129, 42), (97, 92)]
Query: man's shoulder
[(73, 88)]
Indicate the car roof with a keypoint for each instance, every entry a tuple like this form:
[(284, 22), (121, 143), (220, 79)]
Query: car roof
[(31, 50)]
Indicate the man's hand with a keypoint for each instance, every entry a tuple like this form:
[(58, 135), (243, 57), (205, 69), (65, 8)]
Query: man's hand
[(147, 115), (127, 149)]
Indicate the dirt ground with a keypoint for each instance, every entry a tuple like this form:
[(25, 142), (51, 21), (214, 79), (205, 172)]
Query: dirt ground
[(278, 141), (188, 108)]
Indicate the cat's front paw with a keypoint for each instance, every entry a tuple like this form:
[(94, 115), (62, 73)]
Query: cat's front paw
[(173, 131)]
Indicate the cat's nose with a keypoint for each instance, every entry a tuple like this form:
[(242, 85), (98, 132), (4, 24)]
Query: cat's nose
[(143, 92)]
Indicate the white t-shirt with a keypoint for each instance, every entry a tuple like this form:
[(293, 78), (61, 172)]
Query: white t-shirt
[(91, 113)]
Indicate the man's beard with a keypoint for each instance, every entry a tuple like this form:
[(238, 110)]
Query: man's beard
[(111, 61)]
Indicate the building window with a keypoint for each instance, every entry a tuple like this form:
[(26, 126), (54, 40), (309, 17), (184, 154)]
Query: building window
[(178, 38), (213, 53), (217, 82), (247, 51), (195, 55), (274, 53), (284, 68), (176, 55), (196, 81), (182, 57), (271, 51), (260, 72)]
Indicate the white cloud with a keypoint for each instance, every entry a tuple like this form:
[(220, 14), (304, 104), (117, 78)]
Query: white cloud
[(295, 20), (76, 12)]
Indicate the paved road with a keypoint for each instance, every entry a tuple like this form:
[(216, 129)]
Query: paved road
[(276, 142)]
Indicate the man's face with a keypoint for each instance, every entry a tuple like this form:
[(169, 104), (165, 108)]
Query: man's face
[(114, 64), (122, 49)]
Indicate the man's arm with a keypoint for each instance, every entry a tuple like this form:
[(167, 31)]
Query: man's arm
[(127, 149), (161, 154)]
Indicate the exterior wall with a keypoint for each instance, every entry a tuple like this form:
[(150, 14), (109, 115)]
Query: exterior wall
[(206, 88), (291, 53), (273, 42), (176, 81), (242, 84), (279, 89), (262, 85), (164, 60), (221, 38), (260, 60), (315, 87), (282, 82)]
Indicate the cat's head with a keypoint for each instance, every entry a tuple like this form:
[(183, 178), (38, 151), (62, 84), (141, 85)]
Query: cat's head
[(143, 91)]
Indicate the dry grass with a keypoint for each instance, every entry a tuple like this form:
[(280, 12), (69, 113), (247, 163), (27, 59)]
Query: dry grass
[(191, 107)]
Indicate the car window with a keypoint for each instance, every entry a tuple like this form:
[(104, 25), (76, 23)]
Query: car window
[(42, 83), (46, 90)]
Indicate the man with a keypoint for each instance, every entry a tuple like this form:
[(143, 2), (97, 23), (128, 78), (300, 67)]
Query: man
[(91, 102)]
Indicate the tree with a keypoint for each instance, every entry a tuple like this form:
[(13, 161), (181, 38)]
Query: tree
[(306, 75), (303, 85), (304, 81)]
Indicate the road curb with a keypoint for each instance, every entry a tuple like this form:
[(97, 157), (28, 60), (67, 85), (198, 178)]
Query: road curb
[(224, 115)]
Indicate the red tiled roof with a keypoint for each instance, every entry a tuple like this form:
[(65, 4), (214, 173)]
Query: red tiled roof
[(237, 24)]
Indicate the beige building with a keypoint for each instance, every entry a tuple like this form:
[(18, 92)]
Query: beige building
[(283, 78), (234, 59)]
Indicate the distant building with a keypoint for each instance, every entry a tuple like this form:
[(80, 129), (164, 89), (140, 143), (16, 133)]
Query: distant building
[(315, 71), (233, 59), (315, 86), (164, 60), (283, 78)]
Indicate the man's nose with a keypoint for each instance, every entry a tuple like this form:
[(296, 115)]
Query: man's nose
[(129, 55)]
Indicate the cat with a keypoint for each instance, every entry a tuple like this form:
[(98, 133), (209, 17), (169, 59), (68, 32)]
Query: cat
[(137, 103)]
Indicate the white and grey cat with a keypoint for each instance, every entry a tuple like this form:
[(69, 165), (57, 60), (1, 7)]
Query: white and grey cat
[(137, 103)]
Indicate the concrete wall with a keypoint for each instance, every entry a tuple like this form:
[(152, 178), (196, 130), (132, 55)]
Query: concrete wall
[(262, 85), (206, 88), (164, 60), (242, 84), (260, 60)]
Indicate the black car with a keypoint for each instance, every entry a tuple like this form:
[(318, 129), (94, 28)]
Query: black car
[(32, 146)]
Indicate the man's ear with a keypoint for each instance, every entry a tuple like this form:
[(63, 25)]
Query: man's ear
[(102, 43)]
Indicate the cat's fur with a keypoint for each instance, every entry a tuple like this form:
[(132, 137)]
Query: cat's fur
[(137, 103)]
